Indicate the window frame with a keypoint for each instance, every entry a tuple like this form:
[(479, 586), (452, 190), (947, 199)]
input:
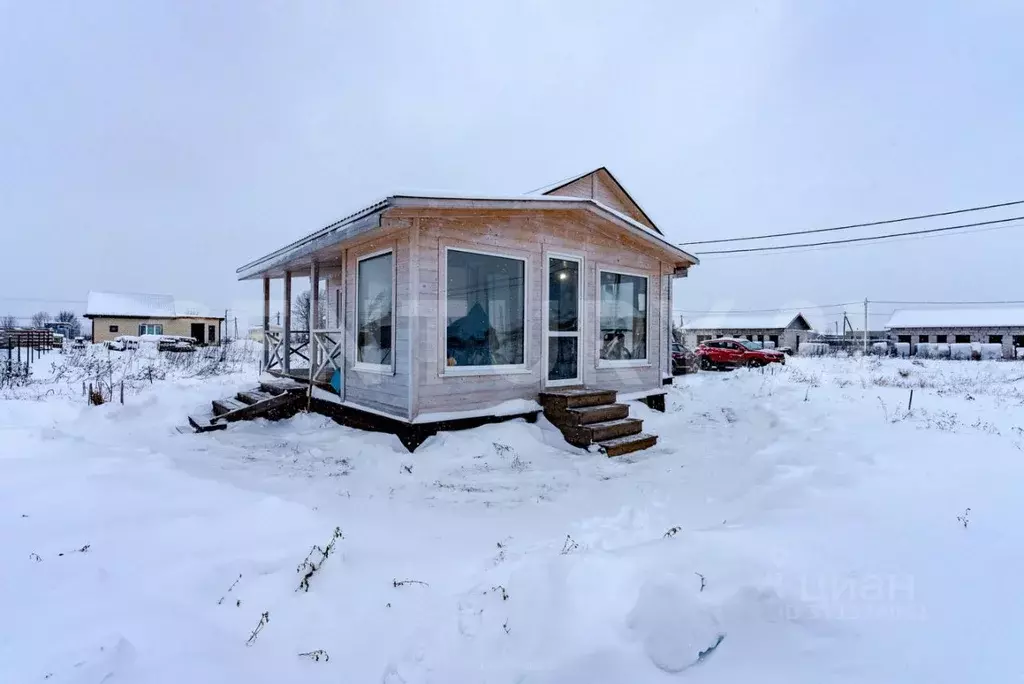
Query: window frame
[(144, 326), (621, 363), (362, 366), (581, 325), (113, 328), (442, 324)]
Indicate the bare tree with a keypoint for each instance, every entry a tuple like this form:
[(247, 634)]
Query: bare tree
[(74, 324), (40, 319), (7, 322), (300, 311)]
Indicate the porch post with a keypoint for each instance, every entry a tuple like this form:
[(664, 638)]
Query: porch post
[(266, 322), (286, 362), (314, 315)]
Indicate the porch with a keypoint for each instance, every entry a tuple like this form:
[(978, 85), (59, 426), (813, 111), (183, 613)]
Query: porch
[(311, 353)]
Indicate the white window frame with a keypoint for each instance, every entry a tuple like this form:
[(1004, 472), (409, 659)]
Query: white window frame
[(545, 319), (442, 327), (381, 368), (145, 326), (598, 337)]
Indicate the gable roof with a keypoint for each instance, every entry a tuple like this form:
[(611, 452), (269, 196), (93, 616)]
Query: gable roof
[(368, 218), (769, 321), (142, 305), (603, 173), (957, 318)]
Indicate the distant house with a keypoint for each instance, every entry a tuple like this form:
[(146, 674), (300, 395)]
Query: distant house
[(256, 332), (449, 306), (117, 313), (959, 326), (782, 330), (59, 327)]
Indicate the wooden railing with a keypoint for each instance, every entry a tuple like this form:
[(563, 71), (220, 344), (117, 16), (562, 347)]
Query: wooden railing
[(329, 352), (273, 341), (279, 352)]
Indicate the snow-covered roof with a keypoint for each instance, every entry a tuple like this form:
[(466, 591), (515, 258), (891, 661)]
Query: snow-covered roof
[(957, 318), (143, 305), (356, 223), (769, 321)]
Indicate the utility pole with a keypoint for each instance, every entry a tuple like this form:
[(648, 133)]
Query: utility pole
[(865, 325)]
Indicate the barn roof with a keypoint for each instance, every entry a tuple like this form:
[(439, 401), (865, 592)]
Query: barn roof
[(957, 318), (768, 321), (142, 305)]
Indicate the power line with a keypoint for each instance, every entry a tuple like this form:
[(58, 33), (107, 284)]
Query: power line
[(1005, 301), (858, 225), (750, 311), (844, 241), (867, 244)]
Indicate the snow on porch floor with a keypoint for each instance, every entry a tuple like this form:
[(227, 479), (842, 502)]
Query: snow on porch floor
[(820, 518)]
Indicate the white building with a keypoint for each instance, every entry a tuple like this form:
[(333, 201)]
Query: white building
[(959, 326), (784, 330)]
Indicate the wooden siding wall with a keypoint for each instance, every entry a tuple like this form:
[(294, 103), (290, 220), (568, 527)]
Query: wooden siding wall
[(531, 237), (384, 392), (581, 187), (601, 187)]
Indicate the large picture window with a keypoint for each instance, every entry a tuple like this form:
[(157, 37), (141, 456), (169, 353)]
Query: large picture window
[(623, 317), (375, 310), (486, 303)]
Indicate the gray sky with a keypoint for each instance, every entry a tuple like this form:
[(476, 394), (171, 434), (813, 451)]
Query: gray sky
[(157, 146)]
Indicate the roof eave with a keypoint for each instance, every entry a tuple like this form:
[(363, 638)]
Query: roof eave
[(545, 203), (355, 224)]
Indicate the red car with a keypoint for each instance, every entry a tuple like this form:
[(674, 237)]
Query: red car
[(730, 353)]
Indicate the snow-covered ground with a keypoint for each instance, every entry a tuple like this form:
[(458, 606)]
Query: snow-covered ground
[(800, 517)]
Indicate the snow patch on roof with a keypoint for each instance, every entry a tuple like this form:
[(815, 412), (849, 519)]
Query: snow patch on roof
[(743, 322), (137, 304), (957, 318)]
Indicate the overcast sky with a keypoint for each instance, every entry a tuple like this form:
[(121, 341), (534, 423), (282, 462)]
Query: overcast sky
[(157, 146)]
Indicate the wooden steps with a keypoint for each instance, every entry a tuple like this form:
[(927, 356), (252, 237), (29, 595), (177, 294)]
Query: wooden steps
[(204, 424), (252, 396), (587, 417), (626, 445), (272, 400), (224, 406)]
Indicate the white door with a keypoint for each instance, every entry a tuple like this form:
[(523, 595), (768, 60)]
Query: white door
[(563, 320)]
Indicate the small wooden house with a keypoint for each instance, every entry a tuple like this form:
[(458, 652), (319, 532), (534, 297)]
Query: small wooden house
[(446, 307)]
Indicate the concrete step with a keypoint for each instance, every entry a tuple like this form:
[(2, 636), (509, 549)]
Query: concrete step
[(252, 396), (560, 400), (222, 406), (585, 435), (585, 415), (627, 445)]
